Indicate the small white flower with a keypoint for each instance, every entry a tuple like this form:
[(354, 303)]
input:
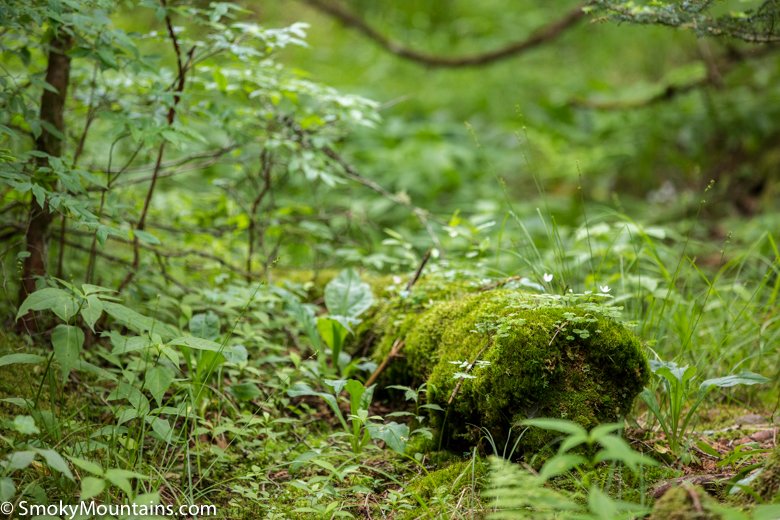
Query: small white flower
[(547, 277), (604, 288)]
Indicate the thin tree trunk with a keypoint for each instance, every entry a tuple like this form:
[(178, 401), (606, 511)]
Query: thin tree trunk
[(52, 112)]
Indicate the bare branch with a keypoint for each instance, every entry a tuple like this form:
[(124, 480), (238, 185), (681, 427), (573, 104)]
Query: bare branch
[(542, 35)]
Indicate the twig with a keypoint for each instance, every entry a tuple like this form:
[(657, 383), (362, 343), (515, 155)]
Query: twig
[(399, 343), (542, 35), (266, 165)]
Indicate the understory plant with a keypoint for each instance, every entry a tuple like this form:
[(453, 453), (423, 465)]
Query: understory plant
[(681, 399)]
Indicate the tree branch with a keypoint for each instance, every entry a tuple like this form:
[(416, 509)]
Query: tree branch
[(716, 70), (542, 35)]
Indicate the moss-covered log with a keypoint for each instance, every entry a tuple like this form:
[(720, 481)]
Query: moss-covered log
[(493, 358)]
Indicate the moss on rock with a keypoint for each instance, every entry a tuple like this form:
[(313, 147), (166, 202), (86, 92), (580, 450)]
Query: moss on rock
[(493, 358), (685, 503), (767, 485)]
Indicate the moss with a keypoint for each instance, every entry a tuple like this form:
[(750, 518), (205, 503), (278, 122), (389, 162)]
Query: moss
[(767, 484), (621, 483), (496, 357), (685, 503), (440, 489)]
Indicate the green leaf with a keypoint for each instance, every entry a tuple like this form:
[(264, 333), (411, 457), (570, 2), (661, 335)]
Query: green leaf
[(245, 391), (138, 322), (558, 425), (161, 427), (91, 311), (347, 295), (744, 378), (118, 478), (359, 396), (21, 359), (158, 379), (50, 298), (25, 425), (333, 333), (196, 343), (601, 505), (619, 450), (146, 238), (560, 465), (302, 389), (87, 465), (395, 435), (91, 487), (20, 460), (7, 489), (205, 325), (56, 462), (67, 342)]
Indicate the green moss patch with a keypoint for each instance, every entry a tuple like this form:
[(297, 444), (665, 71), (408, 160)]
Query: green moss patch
[(685, 503), (493, 358), (767, 484)]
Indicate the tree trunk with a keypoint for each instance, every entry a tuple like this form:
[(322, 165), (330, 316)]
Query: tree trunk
[(52, 112)]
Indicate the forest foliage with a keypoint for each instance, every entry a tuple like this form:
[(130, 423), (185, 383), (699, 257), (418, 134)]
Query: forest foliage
[(276, 257)]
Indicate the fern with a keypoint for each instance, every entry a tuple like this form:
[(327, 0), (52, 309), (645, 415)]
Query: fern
[(515, 493)]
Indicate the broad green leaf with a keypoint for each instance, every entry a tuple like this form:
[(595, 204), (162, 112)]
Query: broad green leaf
[(138, 322), (333, 333), (87, 465), (347, 295), (124, 344), (20, 460), (91, 487), (67, 341), (744, 378), (302, 389), (615, 448), (601, 505), (196, 343), (119, 478), (236, 354), (558, 425), (766, 512), (99, 372), (58, 301), (134, 396), (394, 434), (560, 465), (208, 362), (336, 384), (20, 359), (146, 238), (158, 379), (147, 499), (245, 391), (25, 425), (91, 311), (88, 289), (56, 462), (359, 396), (7, 489), (205, 325), (161, 427)]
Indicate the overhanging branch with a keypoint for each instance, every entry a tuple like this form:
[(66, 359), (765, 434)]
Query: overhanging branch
[(542, 35)]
